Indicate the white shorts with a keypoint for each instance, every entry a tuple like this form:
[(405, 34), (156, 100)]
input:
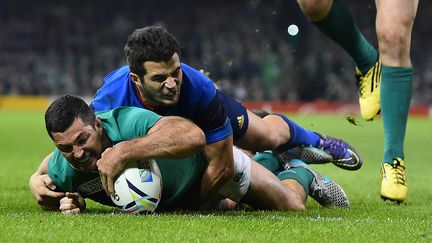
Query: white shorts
[(238, 185)]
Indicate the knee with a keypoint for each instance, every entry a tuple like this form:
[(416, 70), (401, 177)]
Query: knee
[(277, 131), (295, 204), (394, 45), (299, 206), (394, 34), (315, 10), (392, 38)]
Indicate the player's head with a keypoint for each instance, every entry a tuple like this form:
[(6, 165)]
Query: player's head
[(76, 132), (153, 56), (152, 43)]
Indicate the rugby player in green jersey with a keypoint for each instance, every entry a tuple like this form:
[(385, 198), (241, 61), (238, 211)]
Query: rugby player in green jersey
[(83, 139)]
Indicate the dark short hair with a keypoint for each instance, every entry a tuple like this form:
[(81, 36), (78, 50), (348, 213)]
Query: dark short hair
[(64, 110), (152, 43)]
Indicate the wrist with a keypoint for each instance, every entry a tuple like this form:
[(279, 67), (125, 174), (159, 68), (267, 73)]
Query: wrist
[(123, 151)]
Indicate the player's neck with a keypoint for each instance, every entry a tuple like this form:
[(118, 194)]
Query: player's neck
[(106, 141), (147, 104), (144, 102)]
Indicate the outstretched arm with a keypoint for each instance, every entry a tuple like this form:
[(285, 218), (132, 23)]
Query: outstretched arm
[(43, 188), (170, 137)]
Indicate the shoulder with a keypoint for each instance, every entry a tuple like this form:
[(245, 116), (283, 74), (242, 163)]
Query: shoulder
[(125, 123), (196, 85), (196, 77), (118, 73), (115, 79), (116, 90), (128, 113)]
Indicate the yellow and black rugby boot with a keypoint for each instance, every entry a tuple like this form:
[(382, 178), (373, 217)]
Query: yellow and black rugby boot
[(394, 184), (369, 91)]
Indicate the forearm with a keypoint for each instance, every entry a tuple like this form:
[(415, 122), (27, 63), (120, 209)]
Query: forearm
[(220, 167), (41, 170), (43, 167), (213, 179), (172, 138), (43, 189), (36, 187)]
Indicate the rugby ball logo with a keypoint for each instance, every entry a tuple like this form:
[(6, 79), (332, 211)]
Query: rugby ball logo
[(139, 187)]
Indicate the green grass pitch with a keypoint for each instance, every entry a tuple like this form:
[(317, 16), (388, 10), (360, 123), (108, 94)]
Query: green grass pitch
[(24, 143)]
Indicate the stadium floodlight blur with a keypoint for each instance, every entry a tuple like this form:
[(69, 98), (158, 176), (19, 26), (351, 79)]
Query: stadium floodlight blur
[(58, 47)]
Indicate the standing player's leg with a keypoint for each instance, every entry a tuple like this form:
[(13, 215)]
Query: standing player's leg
[(394, 23), (334, 20)]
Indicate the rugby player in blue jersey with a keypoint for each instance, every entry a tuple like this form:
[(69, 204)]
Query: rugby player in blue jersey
[(156, 79), (82, 138)]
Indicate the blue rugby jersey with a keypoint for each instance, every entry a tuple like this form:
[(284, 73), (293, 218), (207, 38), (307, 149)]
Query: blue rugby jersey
[(198, 100)]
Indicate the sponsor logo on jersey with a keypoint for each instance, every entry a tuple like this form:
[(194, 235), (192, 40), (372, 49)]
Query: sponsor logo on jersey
[(90, 187)]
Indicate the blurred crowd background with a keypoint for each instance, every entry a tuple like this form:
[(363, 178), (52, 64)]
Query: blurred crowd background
[(59, 47)]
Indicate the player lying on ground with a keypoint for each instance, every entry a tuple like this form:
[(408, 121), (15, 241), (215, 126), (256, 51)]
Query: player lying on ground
[(82, 139), (156, 79)]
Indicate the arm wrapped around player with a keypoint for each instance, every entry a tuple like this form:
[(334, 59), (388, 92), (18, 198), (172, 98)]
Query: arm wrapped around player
[(170, 137)]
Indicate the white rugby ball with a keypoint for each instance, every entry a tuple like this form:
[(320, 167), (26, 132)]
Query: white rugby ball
[(139, 187)]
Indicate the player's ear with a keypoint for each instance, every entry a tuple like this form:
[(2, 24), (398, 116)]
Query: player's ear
[(135, 78), (98, 125)]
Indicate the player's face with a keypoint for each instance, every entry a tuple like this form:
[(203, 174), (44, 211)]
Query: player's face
[(81, 144), (161, 84)]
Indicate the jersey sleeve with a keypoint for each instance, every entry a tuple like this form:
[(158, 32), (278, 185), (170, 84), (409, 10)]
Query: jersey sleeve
[(215, 123), (68, 179), (209, 113), (57, 171), (64, 176)]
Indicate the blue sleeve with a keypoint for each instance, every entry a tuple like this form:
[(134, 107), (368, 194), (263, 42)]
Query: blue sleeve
[(219, 133), (209, 113), (214, 121)]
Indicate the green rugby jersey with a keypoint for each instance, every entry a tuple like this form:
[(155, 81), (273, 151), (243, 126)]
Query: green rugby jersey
[(121, 124)]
